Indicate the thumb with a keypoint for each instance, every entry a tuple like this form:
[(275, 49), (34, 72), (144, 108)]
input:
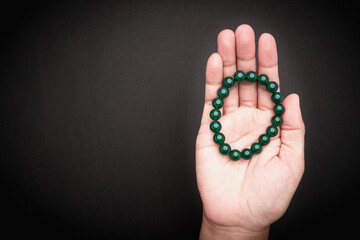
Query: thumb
[(292, 132)]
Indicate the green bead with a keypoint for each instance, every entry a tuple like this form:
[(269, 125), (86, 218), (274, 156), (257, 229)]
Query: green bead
[(272, 87), (251, 76), (219, 138), (217, 103), (239, 76), (263, 79), (272, 131), (215, 126), (264, 139), (229, 82), (276, 120), (256, 148), (225, 148), (246, 154), (277, 97), (235, 155), (215, 114), (223, 92), (279, 109)]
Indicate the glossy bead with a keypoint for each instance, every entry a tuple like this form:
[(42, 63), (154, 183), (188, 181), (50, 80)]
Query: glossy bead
[(251, 76), (217, 103), (279, 109), (276, 120), (263, 79), (225, 148), (239, 76), (223, 92), (264, 139), (256, 148), (235, 155), (246, 154), (277, 97), (272, 87), (229, 82), (272, 131), (215, 114), (219, 138), (215, 126)]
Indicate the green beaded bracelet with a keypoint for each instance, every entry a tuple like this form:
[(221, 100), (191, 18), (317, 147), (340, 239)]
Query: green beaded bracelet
[(271, 131)]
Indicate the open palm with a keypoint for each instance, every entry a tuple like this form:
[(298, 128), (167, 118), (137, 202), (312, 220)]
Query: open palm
[(247, 194)]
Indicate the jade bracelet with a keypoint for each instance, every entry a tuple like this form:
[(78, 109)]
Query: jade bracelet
[(218, 103)]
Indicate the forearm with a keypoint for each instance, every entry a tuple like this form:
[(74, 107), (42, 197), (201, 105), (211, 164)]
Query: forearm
[(210, 231)]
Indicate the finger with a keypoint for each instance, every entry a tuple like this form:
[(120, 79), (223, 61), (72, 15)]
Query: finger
[(246, 61), (226, 49), (268, 65), (292, 134), (214, 77)]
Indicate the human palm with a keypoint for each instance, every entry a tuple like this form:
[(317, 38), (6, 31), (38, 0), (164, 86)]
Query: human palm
[(247, 194)]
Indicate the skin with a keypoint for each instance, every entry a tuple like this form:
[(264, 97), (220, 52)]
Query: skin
[(241, 199)]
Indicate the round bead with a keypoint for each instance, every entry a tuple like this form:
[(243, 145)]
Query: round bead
[(235, 155), (251, 76), (272, 86), (223, 92), (217, 103), (225, 148), (215, 126), (215, 114), (263, 79), (246, 154), (272, 131), (256, 148), (279, 109), (229, 82), (239, 76), (277, 97), (276, 120), (219, 138), (264, 139)]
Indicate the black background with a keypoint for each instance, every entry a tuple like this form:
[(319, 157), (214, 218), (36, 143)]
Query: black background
[(101, 103)]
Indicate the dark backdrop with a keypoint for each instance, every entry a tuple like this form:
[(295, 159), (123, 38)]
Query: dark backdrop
[(101, 104)]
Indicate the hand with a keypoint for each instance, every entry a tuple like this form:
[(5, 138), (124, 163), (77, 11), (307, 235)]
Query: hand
[(242, 198)]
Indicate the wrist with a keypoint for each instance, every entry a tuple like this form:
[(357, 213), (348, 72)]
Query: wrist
[(212, 231)]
